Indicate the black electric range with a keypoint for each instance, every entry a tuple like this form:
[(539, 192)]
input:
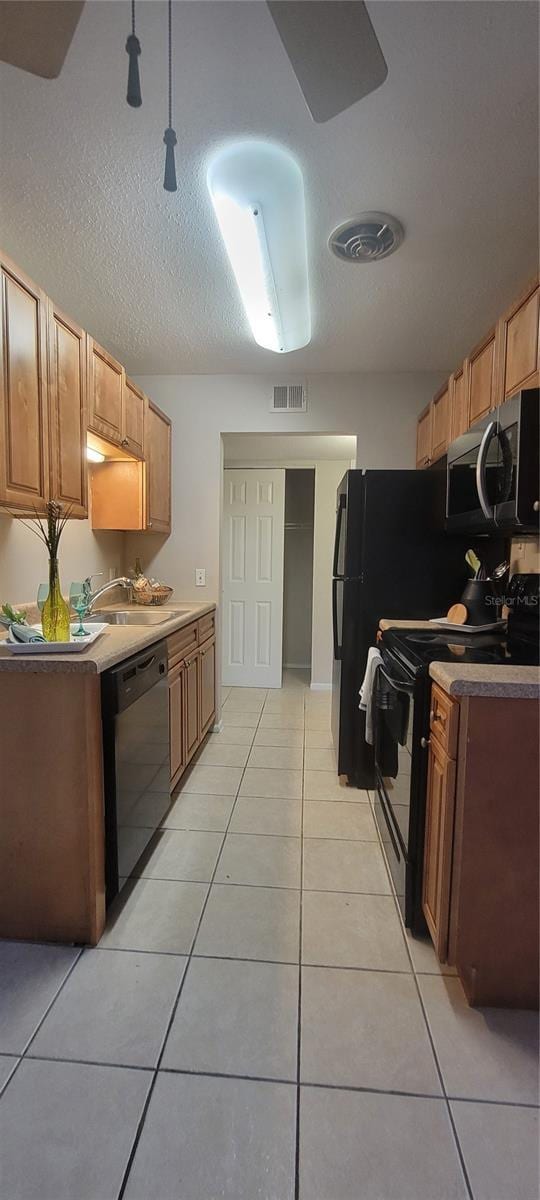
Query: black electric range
[(401, 729)]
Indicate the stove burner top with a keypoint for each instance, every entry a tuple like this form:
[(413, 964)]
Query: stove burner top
[(417, 648)]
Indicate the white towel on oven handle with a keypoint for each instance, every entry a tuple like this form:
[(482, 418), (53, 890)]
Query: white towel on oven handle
[(374, 660)]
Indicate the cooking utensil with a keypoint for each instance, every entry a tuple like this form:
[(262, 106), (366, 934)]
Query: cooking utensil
[(501, 570), (473, 562), (457, 614)]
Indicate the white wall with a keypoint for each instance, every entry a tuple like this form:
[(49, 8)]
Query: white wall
[(24, 563), (381, 409), (327, 477)]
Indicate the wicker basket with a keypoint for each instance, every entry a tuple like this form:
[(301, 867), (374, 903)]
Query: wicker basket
[(152, 595)]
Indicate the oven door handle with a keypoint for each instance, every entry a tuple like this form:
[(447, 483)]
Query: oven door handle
[(397, 684), (489, 434)]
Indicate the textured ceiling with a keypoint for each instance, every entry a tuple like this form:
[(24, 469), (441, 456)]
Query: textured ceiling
[(448, 144)]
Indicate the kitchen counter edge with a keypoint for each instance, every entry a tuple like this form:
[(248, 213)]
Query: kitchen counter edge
[(117, 643)]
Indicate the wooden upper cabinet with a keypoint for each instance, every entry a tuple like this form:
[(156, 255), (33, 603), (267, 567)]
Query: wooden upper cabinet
[(440, 426), (158, 470), (105, 394), (459, 403), (133, 419), (24, 452), (520, 343), (67, 411), (423, 438), (483, 377)]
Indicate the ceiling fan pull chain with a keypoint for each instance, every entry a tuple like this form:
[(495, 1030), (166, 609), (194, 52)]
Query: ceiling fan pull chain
[(169, 137), (133, 47)]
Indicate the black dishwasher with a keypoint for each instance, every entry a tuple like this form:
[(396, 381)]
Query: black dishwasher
[(135, 710)]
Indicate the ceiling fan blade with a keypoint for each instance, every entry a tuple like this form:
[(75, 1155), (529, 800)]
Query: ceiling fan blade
[(36, 35), (333, 50)]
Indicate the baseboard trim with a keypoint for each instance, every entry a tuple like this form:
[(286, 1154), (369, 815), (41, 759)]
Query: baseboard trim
[(321, 687)]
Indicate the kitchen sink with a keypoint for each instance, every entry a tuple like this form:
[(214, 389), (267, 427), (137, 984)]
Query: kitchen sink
[(145, 616)]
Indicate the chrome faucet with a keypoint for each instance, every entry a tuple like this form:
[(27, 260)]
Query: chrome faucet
[(91, 597)]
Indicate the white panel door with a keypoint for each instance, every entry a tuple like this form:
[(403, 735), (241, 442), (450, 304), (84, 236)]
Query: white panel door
[(252, 576)]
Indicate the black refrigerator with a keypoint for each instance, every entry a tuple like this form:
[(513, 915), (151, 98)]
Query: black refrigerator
[(392, 558)]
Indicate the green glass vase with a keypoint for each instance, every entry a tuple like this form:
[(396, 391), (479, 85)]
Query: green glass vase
[(55, 612)]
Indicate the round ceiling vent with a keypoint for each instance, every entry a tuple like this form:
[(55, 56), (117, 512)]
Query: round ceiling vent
[(367, 238)]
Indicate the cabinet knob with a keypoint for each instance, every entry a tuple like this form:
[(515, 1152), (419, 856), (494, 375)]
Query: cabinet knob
[(536, 506), (149, 524), (434, 716), (425, 742), (125, 442)]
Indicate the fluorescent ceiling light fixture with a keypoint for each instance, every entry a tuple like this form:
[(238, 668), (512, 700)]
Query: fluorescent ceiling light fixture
[(94, 455), (258, 195)]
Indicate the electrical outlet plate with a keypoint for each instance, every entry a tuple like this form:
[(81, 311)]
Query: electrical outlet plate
[(200, 576)]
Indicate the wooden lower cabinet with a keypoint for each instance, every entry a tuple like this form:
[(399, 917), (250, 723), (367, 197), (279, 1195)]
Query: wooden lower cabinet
[(207, 684), (481, 856), (438, 845), (191, 703), (176, 722), (192, 691)]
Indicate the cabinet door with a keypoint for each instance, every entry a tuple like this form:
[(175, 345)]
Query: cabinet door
[(158, 470), (438, 845), (24, 451), (459, 403), (134, 413), (191, 706), (105, 394), (176, 722), (483, 384), (440, 423), (67, 411), (207, 684), (520, 342), (423, 438)]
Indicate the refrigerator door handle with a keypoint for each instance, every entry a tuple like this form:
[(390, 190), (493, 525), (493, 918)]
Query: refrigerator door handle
[(339, 518), (337, 647)]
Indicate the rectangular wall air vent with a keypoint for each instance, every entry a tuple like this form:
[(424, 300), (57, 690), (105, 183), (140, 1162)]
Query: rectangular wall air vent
[(289, 397)]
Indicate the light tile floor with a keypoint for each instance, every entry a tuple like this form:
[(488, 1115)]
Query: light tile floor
[(255, 1024)]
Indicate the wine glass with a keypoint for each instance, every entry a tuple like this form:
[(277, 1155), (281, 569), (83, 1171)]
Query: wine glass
[(42, 593), (78, 600)]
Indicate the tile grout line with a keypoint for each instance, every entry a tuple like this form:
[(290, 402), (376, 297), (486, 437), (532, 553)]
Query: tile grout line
[(142, 1119), (299, 1024), (457, 1142), (50, 1005)]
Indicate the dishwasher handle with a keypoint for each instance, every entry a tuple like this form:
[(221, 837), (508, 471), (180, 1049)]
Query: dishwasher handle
[(128, 681)]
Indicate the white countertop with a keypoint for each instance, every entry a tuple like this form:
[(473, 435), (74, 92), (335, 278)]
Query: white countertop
[(116, 643), (477, 679)]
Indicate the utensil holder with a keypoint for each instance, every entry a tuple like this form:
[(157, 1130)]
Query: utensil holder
[(481, 601)]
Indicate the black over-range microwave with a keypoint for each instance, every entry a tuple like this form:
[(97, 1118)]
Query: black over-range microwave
[(493, 471)]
